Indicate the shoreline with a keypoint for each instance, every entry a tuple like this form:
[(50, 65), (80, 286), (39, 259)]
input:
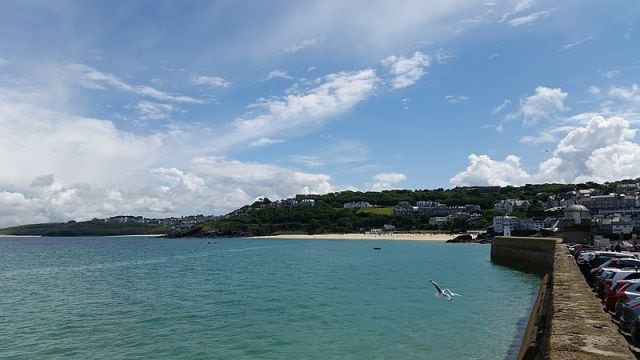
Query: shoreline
[(364, 236)]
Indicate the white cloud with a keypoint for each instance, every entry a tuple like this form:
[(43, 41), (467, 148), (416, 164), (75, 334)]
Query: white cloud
[(265, 142), (611, 73), (178, 178), (493, 56), (544, 137), (544, 103), (600, 150), (498, 109), (3, 61), (294, 48), (406, 71), (387, 181), (153, 111), (630, 93), (307, 160), (212, 186), (577, 43), (572, 155), (523, 5), (594, 90), (442, 57), (456, 99), (368, 30), (336, 94), (36, 141), (93, 79), (256, 179), (277, 74), (482, 170), (211, 81), (523, 20)]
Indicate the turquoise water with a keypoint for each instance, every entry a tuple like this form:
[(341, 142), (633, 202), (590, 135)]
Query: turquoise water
[(127, 298)]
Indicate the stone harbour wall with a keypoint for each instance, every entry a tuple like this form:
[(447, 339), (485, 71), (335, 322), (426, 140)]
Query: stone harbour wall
[(567, 320)]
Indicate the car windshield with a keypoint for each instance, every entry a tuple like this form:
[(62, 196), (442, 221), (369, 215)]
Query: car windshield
[(628, 263)]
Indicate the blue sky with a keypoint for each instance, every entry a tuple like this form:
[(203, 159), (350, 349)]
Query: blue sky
[(162, 108)]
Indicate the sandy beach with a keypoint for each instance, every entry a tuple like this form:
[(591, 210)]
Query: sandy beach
[(367, 236)]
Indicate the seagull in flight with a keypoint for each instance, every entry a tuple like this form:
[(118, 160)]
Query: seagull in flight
[(443, 293)]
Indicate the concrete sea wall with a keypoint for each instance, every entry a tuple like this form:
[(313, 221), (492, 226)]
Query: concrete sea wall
[(567, 320), (529, 254)]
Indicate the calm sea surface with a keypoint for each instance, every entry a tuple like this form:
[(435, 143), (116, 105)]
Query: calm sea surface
[(127, 298)]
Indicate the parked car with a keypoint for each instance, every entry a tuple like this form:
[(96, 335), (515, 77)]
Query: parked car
[(601, 278), (614, 263), (635, 332), (630, 311), (627, 295), (623, 274)]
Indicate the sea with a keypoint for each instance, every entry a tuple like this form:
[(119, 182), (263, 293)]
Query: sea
[(155, 298)]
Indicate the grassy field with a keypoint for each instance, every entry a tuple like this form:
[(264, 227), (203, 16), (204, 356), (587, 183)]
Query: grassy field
[(378, 210)]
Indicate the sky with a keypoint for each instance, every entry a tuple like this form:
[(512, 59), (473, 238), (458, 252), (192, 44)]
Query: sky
[(165, 108)]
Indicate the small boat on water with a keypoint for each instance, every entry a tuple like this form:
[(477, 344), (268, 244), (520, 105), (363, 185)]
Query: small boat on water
[(377, 248)]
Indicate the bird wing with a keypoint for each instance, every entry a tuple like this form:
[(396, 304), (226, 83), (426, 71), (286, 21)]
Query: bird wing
[(435, 285)]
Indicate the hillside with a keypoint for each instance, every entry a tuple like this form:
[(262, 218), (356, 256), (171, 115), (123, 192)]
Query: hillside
[(85, 228), (330, 216)]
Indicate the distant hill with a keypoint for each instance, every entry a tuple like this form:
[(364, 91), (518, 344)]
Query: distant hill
[(328, 214), (85, 228)]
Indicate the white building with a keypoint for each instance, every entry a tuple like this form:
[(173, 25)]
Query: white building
[(307, 202), (499, 222)]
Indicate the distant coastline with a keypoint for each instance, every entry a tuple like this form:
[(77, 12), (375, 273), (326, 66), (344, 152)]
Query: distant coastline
[(365, 236)]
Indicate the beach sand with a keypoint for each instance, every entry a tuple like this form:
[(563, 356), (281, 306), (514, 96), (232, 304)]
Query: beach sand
[(367, 236)]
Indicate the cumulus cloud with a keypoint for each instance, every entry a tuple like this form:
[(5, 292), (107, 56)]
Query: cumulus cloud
[(572, 156), (406, 71), (523, 20), (336, 94), (190, 182), (483, 170), (386, 181), (212, 185), (36, 141), (211, 81), (626, 93), (91, 78), (544, 103), (258, 179), (600, 150)]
